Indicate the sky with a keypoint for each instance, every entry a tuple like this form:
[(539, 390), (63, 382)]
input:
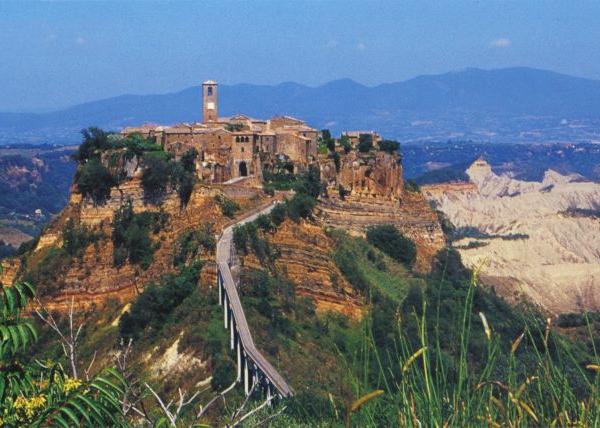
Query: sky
[(55, 54)]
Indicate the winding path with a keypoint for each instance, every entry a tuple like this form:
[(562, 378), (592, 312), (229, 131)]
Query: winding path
[(253, 367)]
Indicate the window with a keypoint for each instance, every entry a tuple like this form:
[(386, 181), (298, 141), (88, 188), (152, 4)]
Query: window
[(209, 92)]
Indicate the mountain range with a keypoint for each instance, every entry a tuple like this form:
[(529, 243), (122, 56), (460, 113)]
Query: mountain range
[(512, 104)]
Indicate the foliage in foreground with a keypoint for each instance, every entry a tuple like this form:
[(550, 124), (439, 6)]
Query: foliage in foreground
[(43, 394), (439, 350)]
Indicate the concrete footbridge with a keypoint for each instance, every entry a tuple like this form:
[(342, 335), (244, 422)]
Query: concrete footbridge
[(253, 369)]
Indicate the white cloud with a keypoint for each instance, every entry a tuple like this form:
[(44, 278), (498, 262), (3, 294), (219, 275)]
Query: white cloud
[(332, 44), (361, 46), (502, 42), (80, 40)]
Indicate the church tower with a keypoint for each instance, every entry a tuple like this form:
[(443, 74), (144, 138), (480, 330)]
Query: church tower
[(209, 101)]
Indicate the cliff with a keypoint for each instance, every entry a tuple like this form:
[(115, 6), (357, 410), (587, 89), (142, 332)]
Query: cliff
[(305, 257), (367, 190), (93, 277), (538, 240)]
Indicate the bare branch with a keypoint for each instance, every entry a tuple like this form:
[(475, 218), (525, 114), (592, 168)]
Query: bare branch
[(250, 413), (214, 399), (239, 410), (87, 371), (268, 418)]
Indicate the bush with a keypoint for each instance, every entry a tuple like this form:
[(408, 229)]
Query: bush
[(365, 143), (278, 214), (336, 161), (188, 160), (183, 180), (310, 182), (46, 272), (131, 235), (345, 143), (300, 206), (94, 180), (77, 237), (389, 146), (227, 206), (189, 242), (94, 141), (393, 243), (158, 300), (156, 176), (412, 186)]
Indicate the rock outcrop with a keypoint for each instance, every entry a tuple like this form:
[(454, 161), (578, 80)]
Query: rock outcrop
[(305, 257), (93, 278), (368, 190), (535, 239)]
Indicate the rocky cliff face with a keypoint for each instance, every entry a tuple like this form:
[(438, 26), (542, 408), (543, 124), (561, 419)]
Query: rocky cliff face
[(93, 278), (305, 257), (540, 240), (412, 215)]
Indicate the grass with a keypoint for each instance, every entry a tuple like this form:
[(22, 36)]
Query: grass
[(444, 351)]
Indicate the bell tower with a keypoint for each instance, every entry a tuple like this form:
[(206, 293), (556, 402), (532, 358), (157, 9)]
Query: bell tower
[(209, 101)]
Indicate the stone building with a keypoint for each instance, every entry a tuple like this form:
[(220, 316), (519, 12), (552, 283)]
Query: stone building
[(235, 146)]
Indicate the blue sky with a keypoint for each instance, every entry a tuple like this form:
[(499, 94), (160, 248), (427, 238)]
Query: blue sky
[(55, 54)]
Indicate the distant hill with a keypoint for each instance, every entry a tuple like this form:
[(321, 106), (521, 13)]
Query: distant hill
[(513, 104)]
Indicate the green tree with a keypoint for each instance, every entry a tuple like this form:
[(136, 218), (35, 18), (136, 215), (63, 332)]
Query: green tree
[(393, 243), (94, 141), (389, 146), (156, 176), (345, 143), (365, 143), (94, 180)]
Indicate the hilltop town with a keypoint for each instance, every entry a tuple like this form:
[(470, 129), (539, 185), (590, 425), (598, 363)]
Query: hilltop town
[(240, 158)]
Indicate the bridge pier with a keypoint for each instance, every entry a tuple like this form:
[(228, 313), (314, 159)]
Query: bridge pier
[(239, 359), (232, 335), (220, 287), (246, 376), (225, 312)]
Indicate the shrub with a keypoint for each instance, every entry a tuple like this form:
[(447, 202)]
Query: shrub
[(189, 242), (94, 180), (156, 177), (223, 373), (188, 160), (46, 272), (227, 206), (393, 243), (310, 182), (336, 161), (240, 239), (365, 143), (389, 146), (278, 214), (300, 206), (412, 186), (131, 235), (343, 192), (264, 223), (345, 143), (183, 180), (94, 141), (158, 300), (77, 237)]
